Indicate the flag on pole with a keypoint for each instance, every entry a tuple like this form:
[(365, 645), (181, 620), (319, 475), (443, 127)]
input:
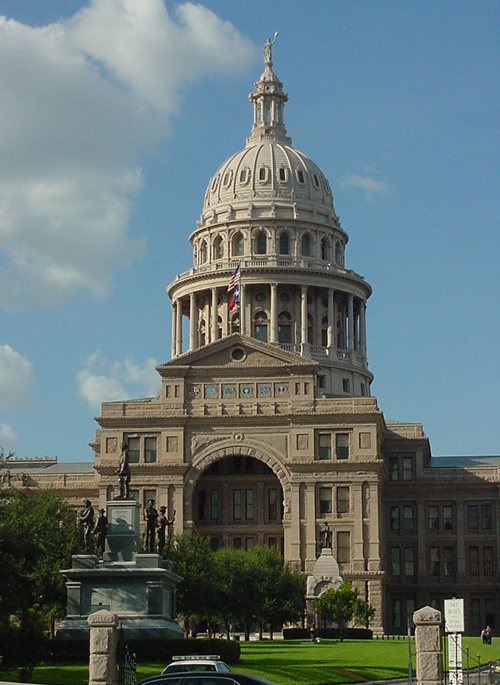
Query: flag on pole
[(234, 280), (234, 289)]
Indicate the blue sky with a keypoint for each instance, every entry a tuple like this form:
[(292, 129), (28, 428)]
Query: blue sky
[(116, 113)]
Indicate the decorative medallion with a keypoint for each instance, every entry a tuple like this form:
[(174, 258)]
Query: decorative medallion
[(229, 391), (263, 390), (282, 389), (194, 390), (211, 391), (246, 390)]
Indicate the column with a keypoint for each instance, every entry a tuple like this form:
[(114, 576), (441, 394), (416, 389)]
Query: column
[(374, 554), (178, 503), (310, 511), (103, 627), (273, 330), (350, 322), (331, 322), (295, 526), (178, 327), (428, 646), (304, 345), (193, 322), (362, 327), (214, 327), (173, 320)]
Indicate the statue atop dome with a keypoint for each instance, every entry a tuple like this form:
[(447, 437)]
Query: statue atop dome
[(267, 50)]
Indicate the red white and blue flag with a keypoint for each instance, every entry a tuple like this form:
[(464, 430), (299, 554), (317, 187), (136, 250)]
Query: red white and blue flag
[(234, 289)]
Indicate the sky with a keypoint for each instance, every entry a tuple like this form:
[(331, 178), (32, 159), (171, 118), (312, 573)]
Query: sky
[(114, 115)]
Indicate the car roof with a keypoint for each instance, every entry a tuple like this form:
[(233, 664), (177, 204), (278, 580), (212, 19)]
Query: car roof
[(243, 678)]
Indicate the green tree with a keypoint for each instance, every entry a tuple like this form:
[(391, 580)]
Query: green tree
[(342, 605)]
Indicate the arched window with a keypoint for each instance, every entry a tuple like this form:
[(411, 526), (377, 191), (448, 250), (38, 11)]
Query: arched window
[(235, 323), (260, 326), (219, 327), (203, 252), (218, 247), (284, 328), (338, 253), (203, 332), (305, 245), (260, 242), (284, 243), (238, 244), (325, 249)]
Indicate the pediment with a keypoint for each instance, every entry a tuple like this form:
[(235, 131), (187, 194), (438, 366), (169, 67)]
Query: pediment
[(240, 352)]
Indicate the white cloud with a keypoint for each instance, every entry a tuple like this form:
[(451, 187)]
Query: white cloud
[(101, 380), (16, 379), (7, 437), (371, 186), (80, 100)]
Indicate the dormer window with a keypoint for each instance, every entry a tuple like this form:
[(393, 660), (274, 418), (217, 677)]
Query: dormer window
[(263, 174), (283, 174), (226, 179), (244, 176), (300, 176), (214, 182), (316, 180)]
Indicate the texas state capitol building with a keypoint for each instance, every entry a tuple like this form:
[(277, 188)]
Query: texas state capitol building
[(264, 428)]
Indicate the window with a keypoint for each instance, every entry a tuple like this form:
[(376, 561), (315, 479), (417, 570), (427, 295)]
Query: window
[(395, 561), (343, 547), (472, 516), (261, 242), (325, 500), (214, 505), (394, 519), (284, 328), (244, 176), (202, 505), (434, 561), (263, 174), (474, 561), (393, 468), (448, 561), (342, 445), (284, 243), (447, 517), (486, 516), (409, 561), (282, 173), (150, 450), (226, 179), (338, 253), (433, 517), (402, 466), (325, 446), (238, 245), (342, 500), (219, 247), (260, 326), (237, 505), (300, 176), (346, 385), (325, 249), (475, 610), (316, 180), (272, 504), (147, 495), (305, 245), (134, 450), (249, 505), (408, 518), (488, 561), (203, 252), (407, 467)]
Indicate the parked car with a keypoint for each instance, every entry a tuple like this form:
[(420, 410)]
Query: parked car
[(495, 672), (205, 679), (196, 663)]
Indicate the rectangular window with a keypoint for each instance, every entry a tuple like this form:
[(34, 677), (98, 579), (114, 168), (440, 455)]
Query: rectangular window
[(472, 516), (237, 543), (393, 468), (249, 505), (448, 561), (147, 495), (272, 504), (342, 500), (202, 505), (433, 517), (249, 543), (150, 450), (346, 385), (396, 615), (214, 505), (486, 517), (434, 561), (342, 445), (237, 505), (134, 450), (344, 547), (395, 561), (447, 517), (395, 523), (325, 446), (474, 561), (409, 561), (475, 610), (407, 468), (408, 518), (325, 501), (488, 561)]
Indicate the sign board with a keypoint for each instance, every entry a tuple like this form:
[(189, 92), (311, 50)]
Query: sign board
[(454, 615)]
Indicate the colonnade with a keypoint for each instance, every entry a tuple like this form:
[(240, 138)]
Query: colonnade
[(345, 319)]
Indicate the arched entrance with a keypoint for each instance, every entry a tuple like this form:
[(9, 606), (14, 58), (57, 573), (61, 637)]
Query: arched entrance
[(237, 501)]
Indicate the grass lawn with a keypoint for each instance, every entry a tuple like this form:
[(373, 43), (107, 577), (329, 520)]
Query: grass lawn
[(295, 662)]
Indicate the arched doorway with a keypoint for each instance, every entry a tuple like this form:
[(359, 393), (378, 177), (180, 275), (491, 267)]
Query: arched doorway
[(238, 502)]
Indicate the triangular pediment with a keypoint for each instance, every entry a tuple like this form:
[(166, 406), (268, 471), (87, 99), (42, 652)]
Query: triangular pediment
[(240, 352)]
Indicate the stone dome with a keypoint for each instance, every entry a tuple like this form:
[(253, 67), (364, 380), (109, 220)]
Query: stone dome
[(268, 169)]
